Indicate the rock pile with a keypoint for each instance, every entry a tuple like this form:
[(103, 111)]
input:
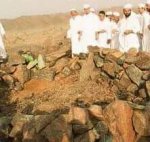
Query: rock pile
[(116, 122), (126, 119)]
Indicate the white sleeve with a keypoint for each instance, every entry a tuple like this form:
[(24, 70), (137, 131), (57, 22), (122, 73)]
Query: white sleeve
[(136, 25), (109, 29), (2, 31)]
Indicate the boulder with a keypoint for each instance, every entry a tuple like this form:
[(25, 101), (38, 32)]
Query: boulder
[(86, 137), (22, 74), (141, 122), (78, 115), (5, 126), (18, 123), (99, 62), (135, 74), (58, 131), (79, 128), (57, 55), (114, 55), (111, 69), (87, 68), (29, 133), (60, 64), (9, 80), (96, 111), (144, 62), (124, 82), (118, 116)]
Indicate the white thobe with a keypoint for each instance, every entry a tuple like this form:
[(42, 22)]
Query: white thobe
[(89, 26), (103, 37), (115, 36), (2, 47), (131, 40), (146, 32), (141, 22), (73, 34)]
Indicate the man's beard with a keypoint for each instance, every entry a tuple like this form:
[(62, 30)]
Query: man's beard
[(148, 9), (127, 15)]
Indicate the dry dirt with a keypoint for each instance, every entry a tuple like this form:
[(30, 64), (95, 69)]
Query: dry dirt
[(42, 35)]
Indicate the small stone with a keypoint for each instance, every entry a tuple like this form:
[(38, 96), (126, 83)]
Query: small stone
[(99, 62), (66, 71)]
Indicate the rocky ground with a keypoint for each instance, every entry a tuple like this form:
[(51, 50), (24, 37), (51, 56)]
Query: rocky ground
[(103, 97)]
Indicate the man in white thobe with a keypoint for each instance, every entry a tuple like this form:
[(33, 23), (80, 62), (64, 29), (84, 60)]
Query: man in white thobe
[(103, 34), (129, 28), (141, 13), (3, 54), (115, 30), (109, 15), (146, 28), (89, 22), (92, 10), (74, 33)]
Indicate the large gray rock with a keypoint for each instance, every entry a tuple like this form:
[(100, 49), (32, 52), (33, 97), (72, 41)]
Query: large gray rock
[(111, 68), (135, 74)]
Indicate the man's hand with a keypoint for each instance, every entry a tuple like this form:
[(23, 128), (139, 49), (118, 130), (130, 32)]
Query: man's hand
[(79, 35), (127, 32), (102, 31), (108, 41), (96, 35), (149, 27), (140, 35), (114, 31)]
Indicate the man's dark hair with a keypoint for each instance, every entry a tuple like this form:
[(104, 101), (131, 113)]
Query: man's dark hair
[(102, 12)]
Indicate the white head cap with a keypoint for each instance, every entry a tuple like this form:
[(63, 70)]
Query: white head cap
[(86, 6), (148, 2), (109, 13), (92, 9), (116, 14), (128, 6), (141, 5), (73, 9)]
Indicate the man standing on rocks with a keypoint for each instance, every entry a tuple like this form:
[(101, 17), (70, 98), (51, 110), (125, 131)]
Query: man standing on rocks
[(75, 33), (3, 54), (103, 34), (89, 26)]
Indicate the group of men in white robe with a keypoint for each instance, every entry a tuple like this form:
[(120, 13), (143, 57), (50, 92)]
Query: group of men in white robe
[(3, 54), (109, 30)]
